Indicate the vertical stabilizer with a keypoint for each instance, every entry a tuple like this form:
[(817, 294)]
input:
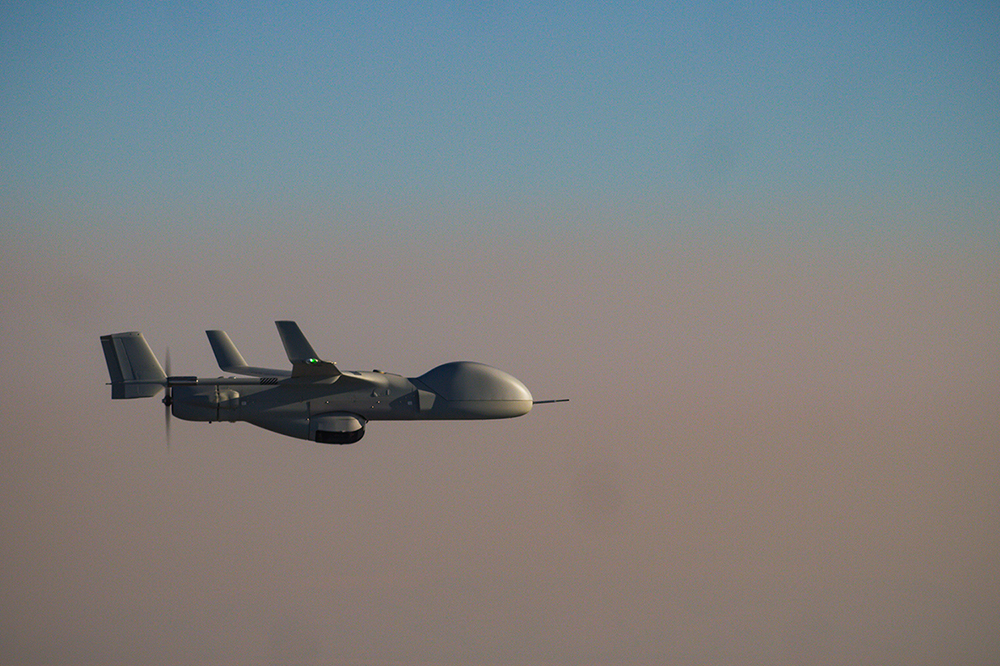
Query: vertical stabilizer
[(134, 370)]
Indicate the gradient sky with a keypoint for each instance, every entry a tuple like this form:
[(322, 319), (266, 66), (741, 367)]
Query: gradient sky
[(756, 245)]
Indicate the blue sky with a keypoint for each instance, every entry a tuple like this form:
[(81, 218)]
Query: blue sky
[(864, 116)]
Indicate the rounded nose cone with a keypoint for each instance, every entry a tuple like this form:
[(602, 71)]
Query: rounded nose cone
[(466, 380)]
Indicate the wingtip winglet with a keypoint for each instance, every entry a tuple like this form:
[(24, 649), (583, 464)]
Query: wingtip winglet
[(304, 359)]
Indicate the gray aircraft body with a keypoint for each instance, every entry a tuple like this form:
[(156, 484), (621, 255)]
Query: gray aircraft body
[(315, 400)]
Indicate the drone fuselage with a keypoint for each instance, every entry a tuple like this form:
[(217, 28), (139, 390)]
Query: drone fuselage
[(306, 408), (316, 400)]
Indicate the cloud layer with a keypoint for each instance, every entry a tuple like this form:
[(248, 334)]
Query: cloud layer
[(777, 454)]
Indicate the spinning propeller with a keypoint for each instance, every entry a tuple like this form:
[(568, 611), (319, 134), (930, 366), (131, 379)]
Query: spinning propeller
[(168, 398)]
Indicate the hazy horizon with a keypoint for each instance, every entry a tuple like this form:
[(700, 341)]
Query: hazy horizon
[(756, 247)]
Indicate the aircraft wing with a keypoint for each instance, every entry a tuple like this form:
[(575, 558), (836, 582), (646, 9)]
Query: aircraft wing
[(305, 361), (230, 359), (303, 357)]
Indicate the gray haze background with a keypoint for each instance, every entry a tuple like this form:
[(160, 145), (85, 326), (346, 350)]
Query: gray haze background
[(756, 244), (777, 452)]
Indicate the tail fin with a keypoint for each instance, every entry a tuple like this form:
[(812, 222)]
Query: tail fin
[(134, 370)]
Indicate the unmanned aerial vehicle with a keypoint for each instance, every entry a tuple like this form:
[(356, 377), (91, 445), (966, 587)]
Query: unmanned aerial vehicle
[(315, 400)]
